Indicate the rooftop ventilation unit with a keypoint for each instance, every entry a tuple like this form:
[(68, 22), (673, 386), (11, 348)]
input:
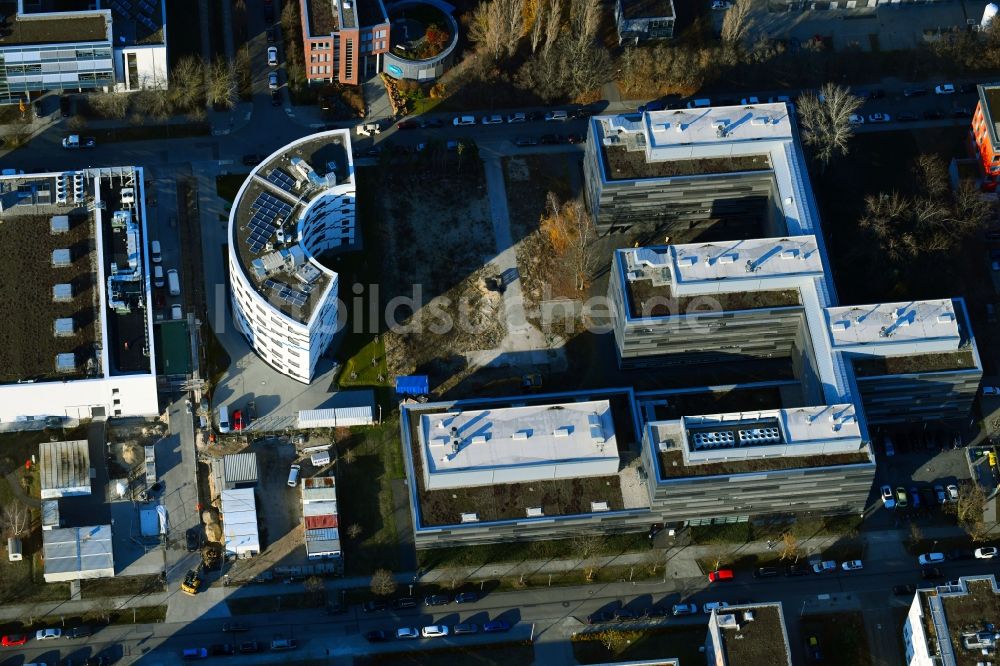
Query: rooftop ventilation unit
[(727, 621), (596, 507), (840, 325), (62, 293), (748, 616), (713, 439), (59, 224), (945, 318), (66, 362), (479, 439), (535, 512), (521, 435), (562, 432), (64, 327), (61, 258)]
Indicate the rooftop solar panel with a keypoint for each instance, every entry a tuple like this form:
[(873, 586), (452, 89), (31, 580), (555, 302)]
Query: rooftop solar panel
[(282, 180)]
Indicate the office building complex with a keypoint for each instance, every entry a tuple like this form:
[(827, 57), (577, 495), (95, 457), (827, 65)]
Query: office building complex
[(953, 624), (286, 214), (644, 20), (74, 46), (78, 330), (344, 40)]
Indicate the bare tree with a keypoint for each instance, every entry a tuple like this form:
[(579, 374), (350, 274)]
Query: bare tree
[(737, 23), (222, 88), (615, 641), (553, 23), (497, 27), (354, 531), (383, 583), (587, 548), (102, 608), (916, 534), (538, 27), (15, 518), (187, 84), (789, 547), (585, 19), (826, 121), (571, 232), (109, 104), (153, 104), (969, 509)]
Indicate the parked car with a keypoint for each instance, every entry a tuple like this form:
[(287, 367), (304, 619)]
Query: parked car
[(714, 605), (222, 649), (407, 125), (797, 570), (813, 650), (193, 654), (434, 631), (887, 497), (237, 418), (986, 553), (624, 614), (460, 121), (272, 56), (13, 640), (272, 80), (915, 497), (721, 575), (373, 606), (904, 590), (916, 91), (518, 117), (48, 634), (557, 115), (270, 35), (766, 572), (249, 647), (78, 632), (234, 627), (433, 123), (952, 493), (496, 626), (856, 119), (684, 609), (404, 602), (437, 600), (879, 117), (890, 451), (525, 141), (466, 598), (852, 565), (549, 139), (405, 633), (932, 114), (284, 644), (378, 636), (495, 119), (901, 500), (944, 89), (825, 566), (465, 628), (930, 558), (252, 160), (655, 105)]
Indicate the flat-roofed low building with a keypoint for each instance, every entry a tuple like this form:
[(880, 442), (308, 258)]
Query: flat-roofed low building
[(733, 466), (517, 444), (320, 519), (644, 20), (77, 553), (65, 469), (103, 366), (526, 468), (953, 624), (241, 538), (236, 470), (748, 635)]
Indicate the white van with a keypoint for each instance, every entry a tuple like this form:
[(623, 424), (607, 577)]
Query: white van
[(702, 103), (293, 476), (158, 280), (223, 419), (157, 257), (175, 282), (176, 312)]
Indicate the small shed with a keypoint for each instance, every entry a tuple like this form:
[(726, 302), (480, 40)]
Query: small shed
[(239, 523), (339, 417), (61, 293), (66, 362), (14, 552), (59, 224), (65, 469), (61, 258), (412, 385), (64, 327)]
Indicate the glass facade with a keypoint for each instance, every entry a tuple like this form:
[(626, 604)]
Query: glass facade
[(31, 68)]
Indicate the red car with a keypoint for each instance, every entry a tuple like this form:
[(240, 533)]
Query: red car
[(13, 640), (407, 124), (238, 420), (721, 574)]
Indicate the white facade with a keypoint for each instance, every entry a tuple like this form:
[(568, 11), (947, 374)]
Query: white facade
[(290, 344), (150, 64), (337, 417), (930, 608), (107, 394)]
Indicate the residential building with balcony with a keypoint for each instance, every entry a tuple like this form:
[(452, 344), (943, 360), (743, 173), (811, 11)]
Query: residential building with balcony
[(953, 624), (344, 40)]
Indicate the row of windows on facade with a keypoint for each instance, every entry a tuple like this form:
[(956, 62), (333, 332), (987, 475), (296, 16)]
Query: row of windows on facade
[(320, 69), (35, 69), (274, 324), (61, 54)]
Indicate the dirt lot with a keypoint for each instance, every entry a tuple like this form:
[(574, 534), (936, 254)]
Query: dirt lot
[(436, 235)]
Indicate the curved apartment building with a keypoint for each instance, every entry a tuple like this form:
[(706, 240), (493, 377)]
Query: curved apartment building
[(295, 205)]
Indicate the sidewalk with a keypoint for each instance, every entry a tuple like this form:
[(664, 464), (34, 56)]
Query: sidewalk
[(883, 545)]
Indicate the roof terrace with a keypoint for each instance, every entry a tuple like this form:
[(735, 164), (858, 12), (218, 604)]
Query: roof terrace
[(751, 635), (322, 18)]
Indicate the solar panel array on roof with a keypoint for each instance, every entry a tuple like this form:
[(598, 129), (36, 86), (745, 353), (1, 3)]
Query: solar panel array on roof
[(281, 179), (286, 293), (267, 211)]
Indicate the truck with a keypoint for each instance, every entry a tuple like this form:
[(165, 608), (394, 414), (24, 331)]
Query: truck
[(150, 464), (368, 129), (74, 141)]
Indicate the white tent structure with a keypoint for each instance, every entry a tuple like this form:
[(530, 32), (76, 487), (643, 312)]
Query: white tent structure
[(239, 523)]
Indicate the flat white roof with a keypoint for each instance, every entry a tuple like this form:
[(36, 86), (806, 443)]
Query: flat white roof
[(72, 553), (717, 125), (894, 323), (799, 425), (239, 521), (742, 259), (528, 443)]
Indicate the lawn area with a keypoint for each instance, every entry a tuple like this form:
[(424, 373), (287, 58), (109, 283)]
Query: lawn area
[(469, 556), (369, 458), (515, 654), (227, 185), (841, 637), (680, 642), (704, 535), (95, 618)]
